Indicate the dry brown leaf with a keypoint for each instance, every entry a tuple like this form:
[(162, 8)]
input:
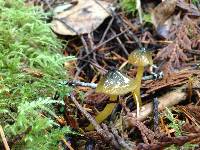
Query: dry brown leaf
[(83, 18), (190, 8), (161, 17), (163, 11)]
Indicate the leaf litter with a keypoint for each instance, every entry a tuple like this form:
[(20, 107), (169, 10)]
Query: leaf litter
[(100, 48)]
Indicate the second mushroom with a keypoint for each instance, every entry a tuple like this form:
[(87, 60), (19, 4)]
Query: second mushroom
[(114, 83), (140, 58)]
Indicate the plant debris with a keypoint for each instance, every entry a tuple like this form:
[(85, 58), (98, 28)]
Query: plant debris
[(48, 98)]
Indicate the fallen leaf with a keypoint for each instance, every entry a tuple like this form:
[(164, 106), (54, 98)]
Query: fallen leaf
[(162, 17), (190, 8), (83, 18), (163, 11)]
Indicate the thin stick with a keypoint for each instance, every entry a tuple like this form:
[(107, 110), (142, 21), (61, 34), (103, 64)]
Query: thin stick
[(87, 115), (120, 42), (94, 85), (138, 7), (129, 24), (155, 115), (79, 70), (109, 137), (67, 144), (84, 84), (121, 141), (4, 139), (106, 31), (85, 44), (98, 46)]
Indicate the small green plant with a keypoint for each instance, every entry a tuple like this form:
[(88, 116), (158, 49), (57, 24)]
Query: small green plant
[(128, 6), (196, 2), (176, 125), (147, 17), (26, 41)]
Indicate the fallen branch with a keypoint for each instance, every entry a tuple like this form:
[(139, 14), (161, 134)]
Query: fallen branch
[(121, 141), (107, 136), (170, 99), (94, 85), (87, 115), (84, 84)]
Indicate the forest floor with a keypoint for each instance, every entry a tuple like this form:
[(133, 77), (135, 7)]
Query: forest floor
[(102, 36)]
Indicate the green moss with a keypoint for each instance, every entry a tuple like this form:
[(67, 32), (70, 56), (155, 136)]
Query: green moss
[(26, 41)]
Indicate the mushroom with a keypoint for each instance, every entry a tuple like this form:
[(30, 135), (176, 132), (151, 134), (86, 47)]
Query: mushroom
[(114, 83), (141, 58)]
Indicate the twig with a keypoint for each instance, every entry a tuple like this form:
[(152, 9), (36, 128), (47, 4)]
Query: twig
[(166, 141), (120, 42), (106, 31), (155, 115), (87, 115), (62, 20), (138, 7), (84, 44), (98, 46), (108, 11), (94, 85), (109, 137), (4, 139), (84, 84), (67, 144), (121, 140), (79, 70), (99, 68), (195, 52), (129, 24)]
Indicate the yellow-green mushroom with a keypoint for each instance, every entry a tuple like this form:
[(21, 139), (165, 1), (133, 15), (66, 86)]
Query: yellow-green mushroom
[(140, 58), (114, 83)]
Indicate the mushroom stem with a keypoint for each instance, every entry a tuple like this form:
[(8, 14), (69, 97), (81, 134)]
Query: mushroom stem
[(138, 80), (113, 98), (104, 113), (135, 97)]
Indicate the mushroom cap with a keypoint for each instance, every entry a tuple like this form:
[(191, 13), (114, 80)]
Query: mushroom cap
[(140, 58), (115, 83)]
